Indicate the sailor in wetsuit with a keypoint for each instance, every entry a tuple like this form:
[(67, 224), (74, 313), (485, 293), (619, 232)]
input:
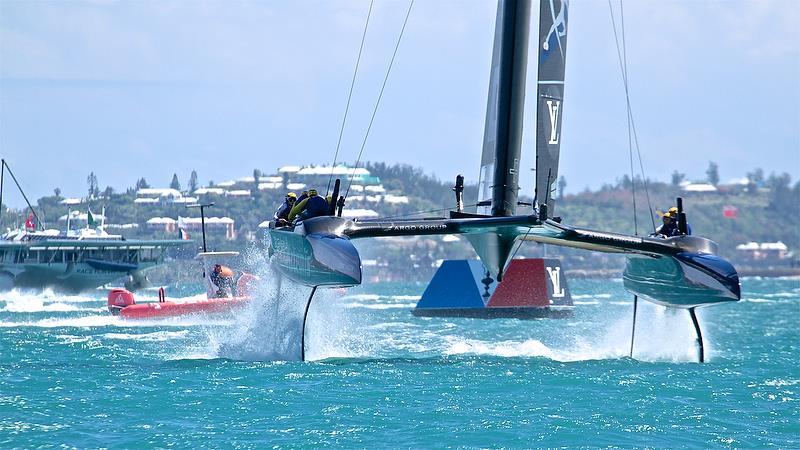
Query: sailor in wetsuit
[(313, 206), (668, 226), (281, 216), (673, 212), (222, 277)]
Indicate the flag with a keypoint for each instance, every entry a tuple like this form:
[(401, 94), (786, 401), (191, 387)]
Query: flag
[(29, 224), (730, 211), (90, 219), (182, 234)]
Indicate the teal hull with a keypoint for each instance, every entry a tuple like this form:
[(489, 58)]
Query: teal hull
[(685, 280), (315, 258)]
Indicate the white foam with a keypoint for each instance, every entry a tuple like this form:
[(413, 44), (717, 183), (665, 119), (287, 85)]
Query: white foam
[(781, 383), (157, 336), (31, 305), (529, 348), (70, 339), (662, 335), (106, 319), (782, 294), (84, 322), (267, 328), (48, 296), (371, 297), (381, 305), (270, 326), (406, 297)]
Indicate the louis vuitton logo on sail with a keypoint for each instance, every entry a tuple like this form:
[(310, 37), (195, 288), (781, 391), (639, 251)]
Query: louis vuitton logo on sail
[(553, 108), (555, 278)]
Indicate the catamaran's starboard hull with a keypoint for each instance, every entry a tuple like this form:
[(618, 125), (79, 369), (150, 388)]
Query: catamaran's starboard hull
[(316, 259), (685, 280)]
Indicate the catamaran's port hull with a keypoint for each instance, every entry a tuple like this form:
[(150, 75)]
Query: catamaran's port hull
[(317, 259), (685, 280)]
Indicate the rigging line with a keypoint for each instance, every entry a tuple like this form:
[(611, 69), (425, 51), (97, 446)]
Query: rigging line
[(630, 111), (623, 63), (2, 173), (23, 194), (641, 167), (520, 243), (380, 95), (349, 96), (630, 115)]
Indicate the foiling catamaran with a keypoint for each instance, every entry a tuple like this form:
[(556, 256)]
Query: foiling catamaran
[(677, 272)]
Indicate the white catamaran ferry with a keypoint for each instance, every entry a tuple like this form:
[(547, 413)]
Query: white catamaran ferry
[(77, 260)]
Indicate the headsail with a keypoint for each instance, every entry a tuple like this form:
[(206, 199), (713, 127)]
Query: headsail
[(550, 96), (498, 183)]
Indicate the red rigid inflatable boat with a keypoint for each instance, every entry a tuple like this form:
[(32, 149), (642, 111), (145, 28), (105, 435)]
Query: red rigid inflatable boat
[(122, 303)]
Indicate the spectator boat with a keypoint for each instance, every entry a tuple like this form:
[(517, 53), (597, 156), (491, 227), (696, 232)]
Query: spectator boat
[(224, 293)]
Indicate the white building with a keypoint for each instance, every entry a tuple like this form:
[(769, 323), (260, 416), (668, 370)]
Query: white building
[(161, 195)]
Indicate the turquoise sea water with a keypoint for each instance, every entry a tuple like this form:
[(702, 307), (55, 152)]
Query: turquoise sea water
[(72, 375)]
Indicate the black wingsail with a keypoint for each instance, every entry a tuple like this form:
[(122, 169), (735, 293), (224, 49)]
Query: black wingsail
[(498, 183), (502, 141), (550, 98)]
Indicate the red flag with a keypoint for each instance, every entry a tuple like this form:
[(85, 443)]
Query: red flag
[(730, 211), (29, 225)]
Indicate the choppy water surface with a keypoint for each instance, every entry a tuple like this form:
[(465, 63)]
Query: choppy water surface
[(73, 375)]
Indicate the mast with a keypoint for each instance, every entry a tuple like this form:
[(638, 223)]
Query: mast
[(498, 183), (552, 46)]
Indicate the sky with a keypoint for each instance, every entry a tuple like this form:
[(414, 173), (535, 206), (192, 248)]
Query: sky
[(146, 88)]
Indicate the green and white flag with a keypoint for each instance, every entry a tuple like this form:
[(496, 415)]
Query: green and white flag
[(90, 219)]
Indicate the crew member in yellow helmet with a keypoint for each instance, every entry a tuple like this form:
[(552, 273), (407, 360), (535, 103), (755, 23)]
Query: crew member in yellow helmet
[(282, 214), (313, 206), (674, 214)]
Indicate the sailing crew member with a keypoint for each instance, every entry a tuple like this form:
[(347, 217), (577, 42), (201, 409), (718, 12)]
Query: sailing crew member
[(313, 206), (222, 277), (668, 226), (674, 213), (282, 214), (303, 196)]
